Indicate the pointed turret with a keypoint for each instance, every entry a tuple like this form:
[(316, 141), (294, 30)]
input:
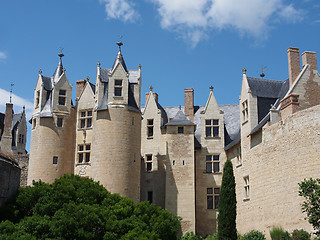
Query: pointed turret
[(59, 69), (119, 59)]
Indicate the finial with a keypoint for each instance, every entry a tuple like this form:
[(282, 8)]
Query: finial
[(244, 71), (119, 44), (87, 78), (139, 66), (98, 63), (63, 70), (11, 92), (151, 88), (40, 71), (211, 88), (273, 107), (24, 108), (60, 52)]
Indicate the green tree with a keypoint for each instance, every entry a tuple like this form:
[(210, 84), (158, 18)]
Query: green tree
[(190, 236), (227, 205), (76, 208), (310, 190)]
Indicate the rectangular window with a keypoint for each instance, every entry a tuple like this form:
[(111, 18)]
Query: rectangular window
[(149, 163), (244, 107), (59, 122), (150, 196), (150, 128), (62, 97), (246, 187), (55, 160), (37, 99), (213, 198), (216, 194), (209, 198), (118, 88), (84, 153), (212, 128), (212, 164), (34, 123), (85, 119), (21, 138), (180, 130)]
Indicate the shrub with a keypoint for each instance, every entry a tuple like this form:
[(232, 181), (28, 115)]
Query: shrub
[(191, 236), (212, 237), (254, 235), (277, 233), (300, 235)]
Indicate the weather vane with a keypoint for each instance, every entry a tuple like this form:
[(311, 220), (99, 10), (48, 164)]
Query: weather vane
[(60, 52), (263, 69), (11, 86)]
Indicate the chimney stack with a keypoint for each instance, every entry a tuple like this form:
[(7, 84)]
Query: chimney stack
[(80, 86), (188, 103), (311, 59), (294, 64), (6, 140)]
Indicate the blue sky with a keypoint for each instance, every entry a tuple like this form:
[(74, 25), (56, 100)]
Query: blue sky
[(179, 43)]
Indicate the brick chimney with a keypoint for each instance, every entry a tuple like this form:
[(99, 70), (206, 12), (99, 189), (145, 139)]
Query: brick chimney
[(311, 59), (6, 140), (294, 64), (188, 103), (155, 95), (80, 86)]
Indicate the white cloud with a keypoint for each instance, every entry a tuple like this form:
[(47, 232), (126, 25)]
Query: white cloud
[(193, 19), (17, 101), (3, 56), (120, 9)]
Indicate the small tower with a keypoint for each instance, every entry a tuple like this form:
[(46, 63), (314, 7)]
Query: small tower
[(116, 141), (53, 126)]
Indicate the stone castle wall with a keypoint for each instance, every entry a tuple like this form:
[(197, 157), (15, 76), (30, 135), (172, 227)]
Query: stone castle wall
[(289, 152)]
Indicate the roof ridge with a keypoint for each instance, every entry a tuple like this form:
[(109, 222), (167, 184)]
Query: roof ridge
[(264, 79)]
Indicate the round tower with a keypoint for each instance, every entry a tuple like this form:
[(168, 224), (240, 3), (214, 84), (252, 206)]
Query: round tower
[(116, 142), (53, 124)]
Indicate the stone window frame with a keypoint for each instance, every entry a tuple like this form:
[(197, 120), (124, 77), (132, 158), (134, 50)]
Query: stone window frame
[(62, 97), (212, 129), (84, 153), (150, 128), (213, 196), (246, 188), (37, 98), (85, 118), (118, 85), (212, 160), (21, 138), (59, 122), (245, 111), (238, 157), (149, 159), (181, 130), (55, 160)]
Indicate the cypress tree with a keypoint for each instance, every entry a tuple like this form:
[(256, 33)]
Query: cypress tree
[(227, 205)]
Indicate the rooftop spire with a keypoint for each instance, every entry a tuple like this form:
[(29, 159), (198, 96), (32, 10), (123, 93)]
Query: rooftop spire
[(119, 58), (59, 69)]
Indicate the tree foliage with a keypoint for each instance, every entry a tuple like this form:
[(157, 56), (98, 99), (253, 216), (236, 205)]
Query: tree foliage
[(310, 190), (227, 205), (254, 235), (277, 233), (76, 208)]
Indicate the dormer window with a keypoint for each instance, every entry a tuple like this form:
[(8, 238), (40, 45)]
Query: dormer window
[(62, 97), (212, 128), (244, 111), (118, 88)]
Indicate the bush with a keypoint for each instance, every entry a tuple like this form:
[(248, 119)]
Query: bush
[(212, 237), (300, 235), (254, 235), (191, 236), (277, 233)]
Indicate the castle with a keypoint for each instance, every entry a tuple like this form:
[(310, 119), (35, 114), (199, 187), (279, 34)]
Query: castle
[(174, 156)]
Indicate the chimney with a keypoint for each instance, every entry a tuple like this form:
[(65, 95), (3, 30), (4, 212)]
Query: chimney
[(311, 59), (80, 86), (188, 103), (6, 140), (294, 64), (155, 95)]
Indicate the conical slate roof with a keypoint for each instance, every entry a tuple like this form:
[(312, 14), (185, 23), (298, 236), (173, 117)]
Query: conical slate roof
[(180, 119), (119, 59), (59, 70)]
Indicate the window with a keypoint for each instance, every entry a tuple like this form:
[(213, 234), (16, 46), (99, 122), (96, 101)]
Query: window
[(212, 128), (246, 187), (150, 128), (118, 88), (150, 196), (55, 160), (34, 123), (149, 163), (59, 122), (37, 99), (239, 159), (244, 106), (84, 153), (213, 198), (21, 138), (180, 130), (62, 97), (86, 119), (212, 164)]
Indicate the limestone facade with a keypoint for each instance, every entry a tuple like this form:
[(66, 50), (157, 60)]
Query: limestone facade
[(174, 156)]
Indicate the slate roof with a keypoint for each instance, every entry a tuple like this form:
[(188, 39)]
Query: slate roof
[(58, 72), (264, 87), (120, 59), (180, 120)]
